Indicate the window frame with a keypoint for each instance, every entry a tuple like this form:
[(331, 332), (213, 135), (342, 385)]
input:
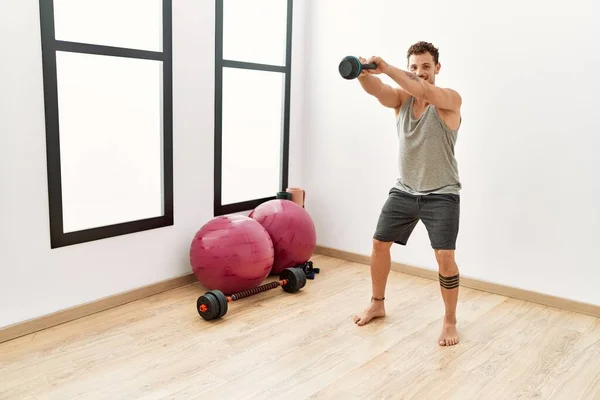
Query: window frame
[(220, 64), (49, 47)]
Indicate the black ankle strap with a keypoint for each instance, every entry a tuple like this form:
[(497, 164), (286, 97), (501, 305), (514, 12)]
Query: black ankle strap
[(376, 299)]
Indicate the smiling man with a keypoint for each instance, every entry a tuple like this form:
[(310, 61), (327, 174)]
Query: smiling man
[(427, 118)]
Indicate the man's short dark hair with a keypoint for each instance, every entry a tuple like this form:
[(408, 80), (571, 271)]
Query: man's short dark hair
[(422, 48)]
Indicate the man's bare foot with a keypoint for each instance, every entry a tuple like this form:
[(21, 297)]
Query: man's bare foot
[(449, 336), (375, 310)]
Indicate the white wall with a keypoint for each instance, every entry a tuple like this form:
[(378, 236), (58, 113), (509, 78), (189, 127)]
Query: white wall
[(527, 149), (35, 280)]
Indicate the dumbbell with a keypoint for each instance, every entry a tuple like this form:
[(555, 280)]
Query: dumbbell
[(350, 67), (214, 304)]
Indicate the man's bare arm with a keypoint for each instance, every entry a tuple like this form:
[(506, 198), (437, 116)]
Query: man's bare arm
[(446, 99), (443, 98), (387, 95)]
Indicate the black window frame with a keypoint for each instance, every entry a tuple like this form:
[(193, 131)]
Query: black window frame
[(220, 64), (49, 44)]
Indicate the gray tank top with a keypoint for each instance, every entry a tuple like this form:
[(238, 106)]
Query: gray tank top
[(426, 161)]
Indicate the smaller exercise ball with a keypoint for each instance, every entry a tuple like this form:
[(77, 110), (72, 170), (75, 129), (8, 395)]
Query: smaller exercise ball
[(231, 254), (291, 229)]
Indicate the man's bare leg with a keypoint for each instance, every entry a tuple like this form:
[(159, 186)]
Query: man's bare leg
[(380, 269), (449, 281)]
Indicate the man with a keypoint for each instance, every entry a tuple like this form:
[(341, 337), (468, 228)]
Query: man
[(427, 118)]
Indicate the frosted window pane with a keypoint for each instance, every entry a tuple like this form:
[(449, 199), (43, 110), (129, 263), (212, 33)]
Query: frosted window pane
[(135, 24), (252, 129), (110, 118), (255, 31)]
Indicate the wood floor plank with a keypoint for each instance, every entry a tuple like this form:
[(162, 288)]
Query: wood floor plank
[(304, 345)]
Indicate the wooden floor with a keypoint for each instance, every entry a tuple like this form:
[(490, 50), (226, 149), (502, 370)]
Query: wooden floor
[(277, 345)]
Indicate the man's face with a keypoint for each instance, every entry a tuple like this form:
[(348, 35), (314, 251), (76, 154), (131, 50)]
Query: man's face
[(424, 66)]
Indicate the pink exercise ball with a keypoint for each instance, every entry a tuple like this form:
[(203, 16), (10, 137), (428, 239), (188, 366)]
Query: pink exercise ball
[(291, 229), (231, 254)]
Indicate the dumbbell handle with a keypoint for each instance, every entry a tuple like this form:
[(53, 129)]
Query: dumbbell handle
[(368, 66), (258, 289)]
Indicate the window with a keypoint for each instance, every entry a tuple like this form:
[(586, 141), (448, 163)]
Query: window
[(107, 67), (252, 102)]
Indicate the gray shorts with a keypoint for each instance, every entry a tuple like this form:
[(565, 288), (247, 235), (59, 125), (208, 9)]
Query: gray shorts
[(402, 211)]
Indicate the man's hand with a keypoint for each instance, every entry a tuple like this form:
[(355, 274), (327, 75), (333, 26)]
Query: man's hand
[(381, 65)]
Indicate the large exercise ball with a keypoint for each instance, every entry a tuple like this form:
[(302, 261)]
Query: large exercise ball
[(291, 229), (231, 254)]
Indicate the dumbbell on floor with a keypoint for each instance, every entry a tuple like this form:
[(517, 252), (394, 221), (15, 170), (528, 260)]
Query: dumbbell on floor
[(350, 67), (214, 304)]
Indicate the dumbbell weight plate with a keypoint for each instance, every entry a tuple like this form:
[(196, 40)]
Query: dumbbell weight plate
[(295, 277), (208, 306), (350, 67), (302, 277), (222, 299)]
